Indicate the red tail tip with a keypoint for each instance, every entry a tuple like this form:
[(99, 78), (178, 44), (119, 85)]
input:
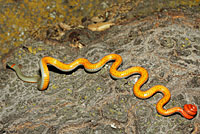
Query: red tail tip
[(190, 109)]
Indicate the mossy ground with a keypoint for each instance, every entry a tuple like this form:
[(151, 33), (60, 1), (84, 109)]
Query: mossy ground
[(166, 43), (87, 103), (19, 18)]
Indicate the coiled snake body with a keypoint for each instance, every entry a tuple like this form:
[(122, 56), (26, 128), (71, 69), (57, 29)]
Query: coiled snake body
[(188, 112)]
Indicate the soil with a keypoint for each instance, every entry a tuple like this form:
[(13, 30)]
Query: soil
[(166, 43)]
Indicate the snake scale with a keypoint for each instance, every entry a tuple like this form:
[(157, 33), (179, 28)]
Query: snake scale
[(189, 111)]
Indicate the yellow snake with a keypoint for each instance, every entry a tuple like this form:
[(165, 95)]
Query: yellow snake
[(188, 112)]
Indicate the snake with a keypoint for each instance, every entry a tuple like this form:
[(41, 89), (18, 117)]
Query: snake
[(189, 111)]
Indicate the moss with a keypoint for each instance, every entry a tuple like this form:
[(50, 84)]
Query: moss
[(20, 17)]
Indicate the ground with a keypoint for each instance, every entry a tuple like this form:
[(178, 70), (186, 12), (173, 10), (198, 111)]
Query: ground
[(166, 43)]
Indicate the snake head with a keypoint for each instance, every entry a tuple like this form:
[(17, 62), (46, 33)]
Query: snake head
[(190, 109), (10, 64)]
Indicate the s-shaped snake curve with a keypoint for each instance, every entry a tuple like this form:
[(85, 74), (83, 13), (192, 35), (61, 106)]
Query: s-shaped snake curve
[(188, 112)]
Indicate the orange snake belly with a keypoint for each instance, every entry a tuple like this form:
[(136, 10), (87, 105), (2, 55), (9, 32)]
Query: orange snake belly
[(188, 112)]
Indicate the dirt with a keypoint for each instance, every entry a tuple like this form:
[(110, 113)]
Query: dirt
[(165, 43)]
